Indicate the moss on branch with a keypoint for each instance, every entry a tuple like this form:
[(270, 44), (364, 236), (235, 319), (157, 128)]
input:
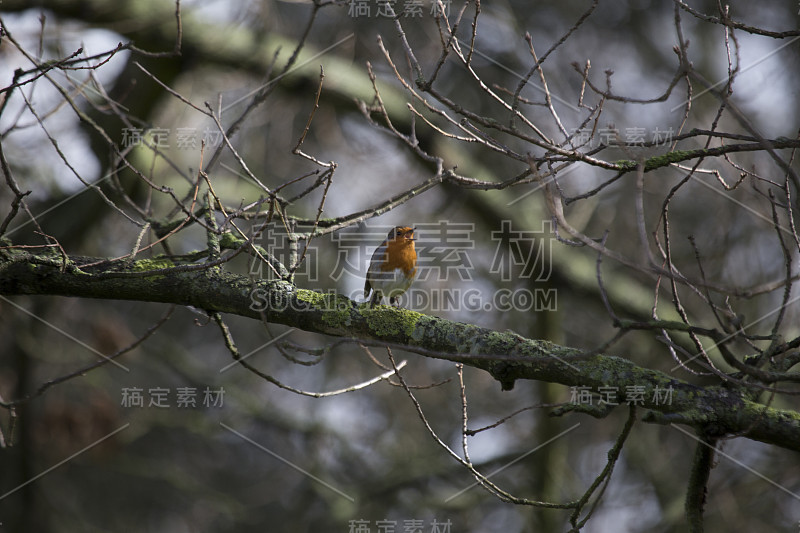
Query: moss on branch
[(505, 355)]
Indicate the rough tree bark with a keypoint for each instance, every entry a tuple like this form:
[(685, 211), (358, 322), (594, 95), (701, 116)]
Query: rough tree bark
[(711, 410)]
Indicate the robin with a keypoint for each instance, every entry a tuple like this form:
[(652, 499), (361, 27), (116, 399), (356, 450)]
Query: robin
[(392, 267)]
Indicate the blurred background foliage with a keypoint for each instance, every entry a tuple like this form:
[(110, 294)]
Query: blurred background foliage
[(177, 469)]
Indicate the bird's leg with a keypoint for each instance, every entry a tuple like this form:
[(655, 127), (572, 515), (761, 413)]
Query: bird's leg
[(376, 298)]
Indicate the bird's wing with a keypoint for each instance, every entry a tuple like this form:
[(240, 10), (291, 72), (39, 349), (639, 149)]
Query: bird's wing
[(378, 256)]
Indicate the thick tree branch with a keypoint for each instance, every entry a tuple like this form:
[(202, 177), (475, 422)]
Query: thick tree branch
[(505, 355), (698, 483)]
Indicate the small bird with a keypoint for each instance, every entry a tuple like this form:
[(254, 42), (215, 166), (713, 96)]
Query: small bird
[(393, 266)]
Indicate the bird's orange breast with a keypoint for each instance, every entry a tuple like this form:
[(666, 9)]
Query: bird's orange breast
[(400, 253)]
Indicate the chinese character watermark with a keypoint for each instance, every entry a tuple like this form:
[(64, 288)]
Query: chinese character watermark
[(630, 136), (162, 397), (167, 138), (391, 8), (444, 265), (412, 525), (609, 395)]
